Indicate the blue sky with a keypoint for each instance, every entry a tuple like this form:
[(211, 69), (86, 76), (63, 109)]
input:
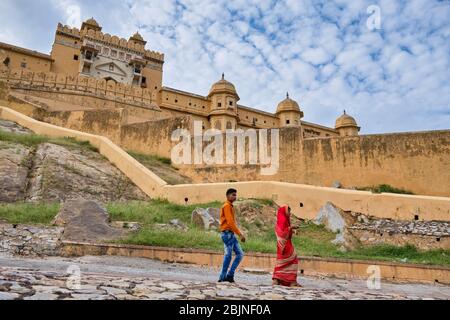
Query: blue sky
[(392, 78)]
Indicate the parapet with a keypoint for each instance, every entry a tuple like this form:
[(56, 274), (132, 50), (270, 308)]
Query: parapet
[(111, 40), (59, 82)]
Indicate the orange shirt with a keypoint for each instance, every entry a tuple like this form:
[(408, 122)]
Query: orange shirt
[(227, 221)]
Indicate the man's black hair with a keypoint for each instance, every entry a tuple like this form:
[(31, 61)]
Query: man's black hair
[(230, 191)]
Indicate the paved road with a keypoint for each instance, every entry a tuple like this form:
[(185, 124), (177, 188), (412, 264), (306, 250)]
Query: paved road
[(109, 277)]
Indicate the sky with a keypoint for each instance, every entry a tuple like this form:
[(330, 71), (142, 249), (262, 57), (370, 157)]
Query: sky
[(387, 63)]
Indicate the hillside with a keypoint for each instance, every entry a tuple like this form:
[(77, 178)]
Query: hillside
[(38, 168)]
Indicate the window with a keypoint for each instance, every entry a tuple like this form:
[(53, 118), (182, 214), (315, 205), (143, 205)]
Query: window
[(6, 61), (121, 55), (128, 58), (23, 64), (176, 101), (111, 67), (144, 80), (113, 53), (75, 57), (88, 55), (106, 51), (231, 103), (190, 104), (288, 121), (219, 104)]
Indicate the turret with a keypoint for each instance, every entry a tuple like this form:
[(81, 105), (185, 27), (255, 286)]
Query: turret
[(346, 125), (223, 111), (289, 112)]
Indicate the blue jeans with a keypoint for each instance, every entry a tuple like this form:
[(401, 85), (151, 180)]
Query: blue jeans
[(230, 244)]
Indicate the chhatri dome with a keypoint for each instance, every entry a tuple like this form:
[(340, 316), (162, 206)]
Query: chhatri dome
[(223, 86), (91, 24), (345, 121), (288, 105), (138, 38)]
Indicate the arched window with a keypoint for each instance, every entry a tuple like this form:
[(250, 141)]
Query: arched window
[(218, 125), (229, 125)]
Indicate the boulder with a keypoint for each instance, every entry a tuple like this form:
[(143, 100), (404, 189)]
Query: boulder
[(331, 217), (337, 220), (207, 219), (86, 221), (337, 184)]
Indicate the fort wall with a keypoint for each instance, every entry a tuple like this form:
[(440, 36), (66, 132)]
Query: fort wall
[(304, 200)]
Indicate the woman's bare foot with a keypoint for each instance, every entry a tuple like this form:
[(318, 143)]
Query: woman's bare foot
[(296, 285)]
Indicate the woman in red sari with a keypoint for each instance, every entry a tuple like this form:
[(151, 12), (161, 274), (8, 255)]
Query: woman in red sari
[(286, 267)]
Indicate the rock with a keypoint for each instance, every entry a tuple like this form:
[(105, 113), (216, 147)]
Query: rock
[(255, 271), (8, 296), (363, 218), (18, 240), (14, 162), (114, 291), (331, 217), (86, 221), (178, 224), (229, 292), (132, 226), (337, 220), (337, 184), (42, 296), (206, 218), (171, 286), (12, 127), (51, 172), (339, 239)]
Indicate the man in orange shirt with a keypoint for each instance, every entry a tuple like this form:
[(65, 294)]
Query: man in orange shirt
[(228, 230)]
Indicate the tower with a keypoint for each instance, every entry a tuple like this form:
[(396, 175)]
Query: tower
[(346, 125), (288, 111), (223, 111)]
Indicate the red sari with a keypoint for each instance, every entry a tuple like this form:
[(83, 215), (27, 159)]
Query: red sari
[(286, 267)]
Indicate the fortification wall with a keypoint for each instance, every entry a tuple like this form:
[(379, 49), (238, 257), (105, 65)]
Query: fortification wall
[(415, 161), (152, 137), (102, 122), (305, 200)]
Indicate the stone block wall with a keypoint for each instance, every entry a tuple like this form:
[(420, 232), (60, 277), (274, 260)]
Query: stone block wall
[(29, 240)]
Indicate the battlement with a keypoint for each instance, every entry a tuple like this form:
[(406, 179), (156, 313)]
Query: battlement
[(49, 81), (110, 40)]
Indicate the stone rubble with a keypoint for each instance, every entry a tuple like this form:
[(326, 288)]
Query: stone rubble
[(29, 240), (389, 226)]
